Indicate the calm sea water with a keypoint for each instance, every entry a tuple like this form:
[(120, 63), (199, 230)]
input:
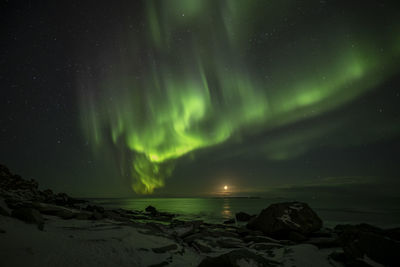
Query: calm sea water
[(216, 210)]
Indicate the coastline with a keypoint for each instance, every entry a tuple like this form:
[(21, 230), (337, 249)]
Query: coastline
[(41, 228)]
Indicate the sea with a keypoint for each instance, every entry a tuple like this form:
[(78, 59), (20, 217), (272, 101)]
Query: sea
[(219, 209)]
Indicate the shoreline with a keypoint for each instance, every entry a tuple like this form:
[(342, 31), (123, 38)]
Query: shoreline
[(41, 228)]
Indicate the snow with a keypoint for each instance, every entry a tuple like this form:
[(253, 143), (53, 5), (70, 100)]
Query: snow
[(84, 243), (371, 262), (285, 218), (296, 206), (106, 242)]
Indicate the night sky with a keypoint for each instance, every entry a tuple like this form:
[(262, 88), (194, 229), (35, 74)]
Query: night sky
[(182, 97)]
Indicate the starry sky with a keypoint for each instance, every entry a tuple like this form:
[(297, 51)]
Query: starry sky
[(182, 97)]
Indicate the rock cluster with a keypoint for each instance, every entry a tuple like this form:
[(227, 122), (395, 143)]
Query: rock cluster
[(15, 189)]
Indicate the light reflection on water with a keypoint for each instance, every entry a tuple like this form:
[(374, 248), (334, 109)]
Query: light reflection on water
[(226, 209), (217, 210)]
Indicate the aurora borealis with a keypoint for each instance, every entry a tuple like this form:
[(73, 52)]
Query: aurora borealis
[(201, 85), (176, 96)]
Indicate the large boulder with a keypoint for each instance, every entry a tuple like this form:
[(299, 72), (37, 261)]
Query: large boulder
[(236, 258), (285, 220)]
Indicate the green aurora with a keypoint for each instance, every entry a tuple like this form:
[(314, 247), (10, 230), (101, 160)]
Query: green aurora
[(190, 80)]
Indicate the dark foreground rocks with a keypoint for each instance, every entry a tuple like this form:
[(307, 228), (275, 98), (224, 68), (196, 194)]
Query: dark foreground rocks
[(289, 220), (14, 189), (360, 241)]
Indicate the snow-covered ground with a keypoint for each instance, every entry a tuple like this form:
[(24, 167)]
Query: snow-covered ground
[(110, 243), (85, 243)]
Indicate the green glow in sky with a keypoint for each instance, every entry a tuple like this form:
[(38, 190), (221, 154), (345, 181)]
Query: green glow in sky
[(199, 86)]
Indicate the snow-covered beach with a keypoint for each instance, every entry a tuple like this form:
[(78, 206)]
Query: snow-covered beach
[(41, 228)]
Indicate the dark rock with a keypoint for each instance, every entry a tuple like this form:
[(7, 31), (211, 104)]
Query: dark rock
[(29, 215), (62, 199), (4, 171), (95, 208), (166, 214), (281, 219), (48, 192), (191, 228), (243, 217), (393, 233), (113, 215), (154, 228), (124, 212), (265, 246), (48, 196), (151, 209), (96, 215), (230, 221), (59, 211), (83, 215), (338, 256), (141, 217), (160, 217), (13, 204), (200, 246), (243, 231), (27, 190), (221, 233), (161, 264), (360, 240), (20, 188), (232, 258), (65, 214), (259, 239), (358, 263), (189, 239), (229, 243), (165, 248), (2, 231)]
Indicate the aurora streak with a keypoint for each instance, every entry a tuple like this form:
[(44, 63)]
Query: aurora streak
[(198, 85)]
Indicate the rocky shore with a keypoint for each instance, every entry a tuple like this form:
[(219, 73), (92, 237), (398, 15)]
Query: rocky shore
[(42, 228)]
